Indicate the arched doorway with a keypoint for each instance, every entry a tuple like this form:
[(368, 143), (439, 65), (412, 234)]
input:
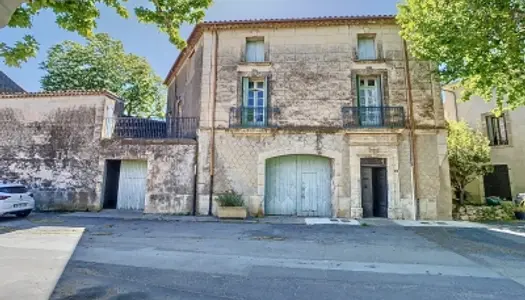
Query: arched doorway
[(298, 185)]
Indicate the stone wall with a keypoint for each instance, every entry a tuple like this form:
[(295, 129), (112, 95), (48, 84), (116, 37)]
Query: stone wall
[(473, 213), (241, 154), (57, 149), (312, 74), (54, 152), (170, 179)]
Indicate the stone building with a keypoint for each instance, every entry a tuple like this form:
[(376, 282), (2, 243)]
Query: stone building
[(76, 152), (505, 134), (314, 117)]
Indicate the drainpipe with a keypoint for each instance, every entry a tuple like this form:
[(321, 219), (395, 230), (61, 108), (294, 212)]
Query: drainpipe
[(195, 178), (412, 135), (214, 62), (455, 103)]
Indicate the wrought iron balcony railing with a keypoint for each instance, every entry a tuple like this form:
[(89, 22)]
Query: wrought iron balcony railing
[(250, 117), (170, 128), (373, 116)]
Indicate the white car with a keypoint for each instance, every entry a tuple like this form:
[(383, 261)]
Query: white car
[(16, 199)]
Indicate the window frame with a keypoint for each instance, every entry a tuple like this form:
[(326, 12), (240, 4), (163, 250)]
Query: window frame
[(260, 50), (497, 137), (248, 118), (367, 37), (378, 87)]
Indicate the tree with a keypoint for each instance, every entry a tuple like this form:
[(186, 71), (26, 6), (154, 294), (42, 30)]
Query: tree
[(81, 16), (468, 154), (103, 64), (479, 44)]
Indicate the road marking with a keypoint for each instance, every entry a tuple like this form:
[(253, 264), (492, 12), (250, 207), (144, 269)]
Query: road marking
[(241, 265), (455, 224), (328, 221), (508, 231)]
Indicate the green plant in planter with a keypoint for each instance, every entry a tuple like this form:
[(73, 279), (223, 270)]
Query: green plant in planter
[(230, 199)]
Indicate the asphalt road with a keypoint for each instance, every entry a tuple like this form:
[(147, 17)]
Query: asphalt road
[(57, 257)]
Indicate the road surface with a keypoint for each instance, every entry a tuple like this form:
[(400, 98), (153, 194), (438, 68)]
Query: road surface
[(51, 256)]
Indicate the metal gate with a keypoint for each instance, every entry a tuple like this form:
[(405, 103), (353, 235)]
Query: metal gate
[(298, 185), (132, 185)]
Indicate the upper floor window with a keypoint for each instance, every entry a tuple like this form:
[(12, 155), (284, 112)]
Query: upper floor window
[(369, 91), (369, 101), (254, 109), (255, 50), (366, 46), (497, 130)]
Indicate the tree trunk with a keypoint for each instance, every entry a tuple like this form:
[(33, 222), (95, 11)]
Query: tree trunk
[(461, 196)]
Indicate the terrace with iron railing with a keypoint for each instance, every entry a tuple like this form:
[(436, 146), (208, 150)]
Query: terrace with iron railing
[(141, 128), (352, 117)]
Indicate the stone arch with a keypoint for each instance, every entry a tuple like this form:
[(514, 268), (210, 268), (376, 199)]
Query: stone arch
[(335, 157)]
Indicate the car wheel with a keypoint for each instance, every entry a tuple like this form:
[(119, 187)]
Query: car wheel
[(23, 214)]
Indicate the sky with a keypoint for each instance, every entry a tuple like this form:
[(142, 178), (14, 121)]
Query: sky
[(145, 40)]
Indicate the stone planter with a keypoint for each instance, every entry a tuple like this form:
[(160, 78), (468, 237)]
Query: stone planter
[(520, 215), (231, 212)]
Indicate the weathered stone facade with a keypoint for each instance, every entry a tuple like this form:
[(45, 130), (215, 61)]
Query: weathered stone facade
[(54, 143), (312, 71)]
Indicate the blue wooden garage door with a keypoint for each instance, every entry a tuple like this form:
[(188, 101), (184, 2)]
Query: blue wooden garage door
[(298, 185)]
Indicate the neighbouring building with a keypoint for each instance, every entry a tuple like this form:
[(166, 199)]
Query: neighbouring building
[(322, 117), (76, 151), (505, 134), (7, 85)]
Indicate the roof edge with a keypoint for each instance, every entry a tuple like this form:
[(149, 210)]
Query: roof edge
[(65, 93), (231, 24)]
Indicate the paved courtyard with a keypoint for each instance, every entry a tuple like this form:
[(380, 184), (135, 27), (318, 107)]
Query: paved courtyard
[(52, 256)]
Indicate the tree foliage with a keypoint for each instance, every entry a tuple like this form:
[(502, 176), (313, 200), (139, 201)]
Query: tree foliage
[(480, 44), (81, 16), (468, 154), (102, 64)]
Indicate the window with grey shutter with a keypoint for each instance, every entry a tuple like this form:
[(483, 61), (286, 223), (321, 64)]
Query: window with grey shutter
[(254, 50), (366, 47)]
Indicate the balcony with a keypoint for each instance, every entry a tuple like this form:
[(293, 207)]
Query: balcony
[(373, 117), (140, 128), (253, 117)]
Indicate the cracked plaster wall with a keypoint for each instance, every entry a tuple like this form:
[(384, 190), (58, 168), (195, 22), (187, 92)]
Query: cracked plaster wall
[(53, 145)]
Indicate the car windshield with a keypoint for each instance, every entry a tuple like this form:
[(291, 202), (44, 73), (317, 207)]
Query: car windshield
[(13, 190)]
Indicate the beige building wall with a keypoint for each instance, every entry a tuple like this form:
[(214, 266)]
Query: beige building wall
[(474, 112), (184, 91), (312, 74)]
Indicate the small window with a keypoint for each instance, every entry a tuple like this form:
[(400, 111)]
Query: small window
[(366, 47), (497, 130), (254, 50)]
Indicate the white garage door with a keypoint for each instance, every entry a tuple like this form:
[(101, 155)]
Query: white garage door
[(298, 185), (132, 185)]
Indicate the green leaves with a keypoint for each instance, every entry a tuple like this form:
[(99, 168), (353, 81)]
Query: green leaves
[(20, 52), (102, 64), (468, 154), (81, 16), (169, 15), (480, 43)]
